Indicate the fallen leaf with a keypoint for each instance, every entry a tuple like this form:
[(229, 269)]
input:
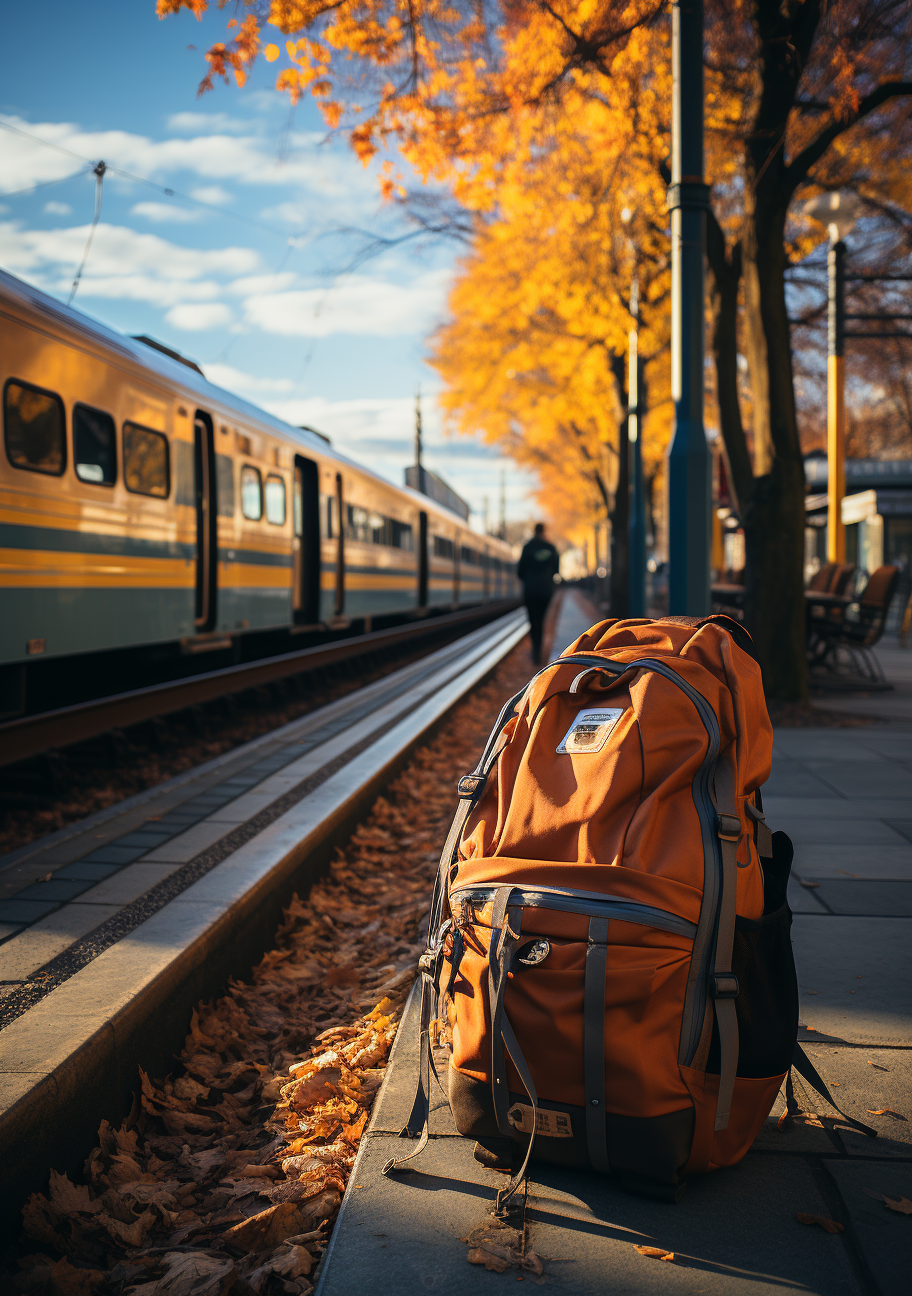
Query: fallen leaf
[(828, 1225), (656, 1253), (495, 1259), (190, 1273), (885, 1111), (900, 1204), (809, 885), (67, 1280), (877, 1066)]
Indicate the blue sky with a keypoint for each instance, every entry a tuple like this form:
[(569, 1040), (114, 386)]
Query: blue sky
[(250, 271)]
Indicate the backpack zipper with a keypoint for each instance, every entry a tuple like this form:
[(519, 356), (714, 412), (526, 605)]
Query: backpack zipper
[(705, 938), (584, 902)]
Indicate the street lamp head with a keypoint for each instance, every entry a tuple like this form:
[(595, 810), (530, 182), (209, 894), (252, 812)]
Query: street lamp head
[(838, 210), (626, 215)]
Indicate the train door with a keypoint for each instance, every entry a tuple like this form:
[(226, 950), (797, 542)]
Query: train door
[(306, 542), (422, 559), (339, 606), (206, 521)]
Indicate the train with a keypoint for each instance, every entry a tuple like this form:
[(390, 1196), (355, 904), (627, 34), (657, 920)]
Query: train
[(151, 521)]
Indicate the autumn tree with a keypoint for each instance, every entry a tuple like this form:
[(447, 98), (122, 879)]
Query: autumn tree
[(802, 95)]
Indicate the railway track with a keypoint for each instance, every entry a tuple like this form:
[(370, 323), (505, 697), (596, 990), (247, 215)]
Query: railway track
[(29, 736), (125, 921)]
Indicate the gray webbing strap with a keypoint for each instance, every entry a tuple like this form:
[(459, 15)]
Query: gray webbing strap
[(525, 1076), (503, 943), (594, 1043), (725, 984)]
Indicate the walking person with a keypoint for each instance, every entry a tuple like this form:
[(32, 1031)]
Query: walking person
[(538, 565)]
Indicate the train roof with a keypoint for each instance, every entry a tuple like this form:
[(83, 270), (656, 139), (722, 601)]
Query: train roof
[(182, 374)]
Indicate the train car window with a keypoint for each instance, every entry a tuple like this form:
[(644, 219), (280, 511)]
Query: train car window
[(472, 556), (443, 548), (94, 446), (328, 517), (251, 493), (34, 428), (275, 500), (224, 481), (401, 537), (147, 468), (358, 527)]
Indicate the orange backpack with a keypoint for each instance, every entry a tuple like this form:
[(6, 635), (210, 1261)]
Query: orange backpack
[(609, 941)]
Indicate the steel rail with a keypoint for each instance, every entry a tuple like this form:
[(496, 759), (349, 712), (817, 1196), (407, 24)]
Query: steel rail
[(29, 736)]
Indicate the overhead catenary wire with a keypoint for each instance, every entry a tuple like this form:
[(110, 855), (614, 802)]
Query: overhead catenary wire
[(99, 173), (144, 180)]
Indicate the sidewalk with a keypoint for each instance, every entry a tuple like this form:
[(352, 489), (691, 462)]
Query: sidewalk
[(893, 705), (845, 797)]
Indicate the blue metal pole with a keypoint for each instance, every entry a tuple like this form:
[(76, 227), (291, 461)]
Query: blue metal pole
[(636, 557), (689, 464)]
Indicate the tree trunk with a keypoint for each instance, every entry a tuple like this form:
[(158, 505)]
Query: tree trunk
[(619, 591), (773, 516)]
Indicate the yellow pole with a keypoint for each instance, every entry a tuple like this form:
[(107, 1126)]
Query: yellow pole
[(836, 403), (835, 457)]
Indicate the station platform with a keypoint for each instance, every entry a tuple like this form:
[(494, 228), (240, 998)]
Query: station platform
[(844, 796)]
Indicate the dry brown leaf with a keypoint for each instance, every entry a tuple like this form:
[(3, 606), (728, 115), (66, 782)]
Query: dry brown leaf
[(655, 1253), (68, 1198), (900, 1204), (828, 1225), (67, 1280), (190, 1273), (885, 1111), (877, 1066), (494, 1258)]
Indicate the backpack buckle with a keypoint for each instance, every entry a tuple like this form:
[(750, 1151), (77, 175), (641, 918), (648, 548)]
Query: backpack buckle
[(725, 985), (468, 786), (728, 827)]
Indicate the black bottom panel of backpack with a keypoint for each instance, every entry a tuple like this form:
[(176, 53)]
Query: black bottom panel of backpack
[(646, 1154)]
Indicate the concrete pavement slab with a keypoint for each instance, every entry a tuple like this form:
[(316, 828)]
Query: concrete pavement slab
[(792, 779), (37, 945), (816, 830), (882, 1234), (835, 861), (865, 896), (831, 953), (797, 809), (127, 885), (851, 778)]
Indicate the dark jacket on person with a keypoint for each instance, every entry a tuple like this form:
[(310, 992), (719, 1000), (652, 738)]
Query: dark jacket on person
[(537, 567)]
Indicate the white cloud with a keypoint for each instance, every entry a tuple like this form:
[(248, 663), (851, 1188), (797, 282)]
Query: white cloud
[(193, 123), (379, 433), (122, 264), (159, 212), (264, 283), (214, 194), (195, 318), (221, 156), (357, 304), (245, 384), (58, 209)]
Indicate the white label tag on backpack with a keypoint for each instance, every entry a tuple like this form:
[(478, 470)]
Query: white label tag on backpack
[(589, 731), (552, 1124)]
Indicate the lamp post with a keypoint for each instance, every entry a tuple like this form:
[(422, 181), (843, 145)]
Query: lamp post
[(839, 212), (636, 548), (689, 462)]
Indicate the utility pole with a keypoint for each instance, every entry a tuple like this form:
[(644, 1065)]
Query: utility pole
[(636, 556), (418, 442), (836, 259), (688, 463)]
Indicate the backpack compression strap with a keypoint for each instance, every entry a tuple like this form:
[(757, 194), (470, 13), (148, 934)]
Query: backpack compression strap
[(724, 984), (806, 1069)]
